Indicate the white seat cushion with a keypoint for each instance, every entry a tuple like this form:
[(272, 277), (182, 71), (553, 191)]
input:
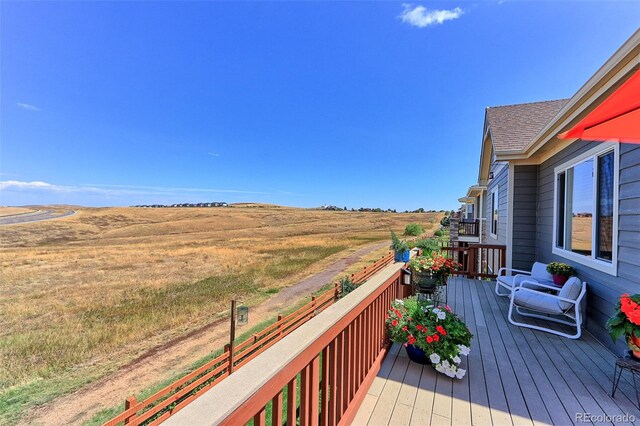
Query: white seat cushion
[(540, 274), (536, 301), (570, 290)]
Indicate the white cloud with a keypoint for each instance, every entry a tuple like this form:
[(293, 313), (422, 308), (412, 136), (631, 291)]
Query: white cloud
[(420, 16), (213, 154), (15, 185), (28, 107), (5, 184)]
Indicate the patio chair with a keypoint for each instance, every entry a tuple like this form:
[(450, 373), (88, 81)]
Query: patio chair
[(538, 274), (564, 304)]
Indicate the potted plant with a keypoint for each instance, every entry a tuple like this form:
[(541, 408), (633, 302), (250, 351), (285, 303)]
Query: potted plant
[(626, 322), (400, 248), (430, 334), (432, 269), (560, 271)]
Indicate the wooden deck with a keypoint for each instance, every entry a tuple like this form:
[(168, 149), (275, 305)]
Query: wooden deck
[(514, 376)]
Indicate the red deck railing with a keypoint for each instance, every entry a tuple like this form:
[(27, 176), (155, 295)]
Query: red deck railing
[(172, 398), (333, 364), (478, 260)]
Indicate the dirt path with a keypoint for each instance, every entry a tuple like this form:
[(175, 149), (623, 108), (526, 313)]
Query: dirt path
[(168, 359)]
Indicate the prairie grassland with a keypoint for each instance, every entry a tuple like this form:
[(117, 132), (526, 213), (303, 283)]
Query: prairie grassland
[(88, 293)]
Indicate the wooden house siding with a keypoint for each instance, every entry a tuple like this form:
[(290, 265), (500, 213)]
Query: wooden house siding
[(501, 181), (603, 289), (525, 190)]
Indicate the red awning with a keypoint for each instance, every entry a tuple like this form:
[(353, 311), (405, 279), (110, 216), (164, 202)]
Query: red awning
[(617, 118)]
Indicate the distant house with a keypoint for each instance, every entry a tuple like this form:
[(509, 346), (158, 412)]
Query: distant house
[(573, 201)]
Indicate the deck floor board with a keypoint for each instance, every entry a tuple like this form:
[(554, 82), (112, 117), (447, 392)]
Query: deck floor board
[(514, 375)]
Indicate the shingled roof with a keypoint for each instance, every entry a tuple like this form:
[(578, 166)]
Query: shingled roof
[(514, 126)]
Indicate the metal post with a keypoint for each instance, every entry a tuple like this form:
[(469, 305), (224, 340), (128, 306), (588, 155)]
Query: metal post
[(232, 335)]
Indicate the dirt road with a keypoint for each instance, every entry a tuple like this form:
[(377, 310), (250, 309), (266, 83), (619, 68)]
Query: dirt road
[(168, 359)]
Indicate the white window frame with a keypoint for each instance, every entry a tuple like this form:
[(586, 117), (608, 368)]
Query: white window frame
[(493, 192), (610, 268)]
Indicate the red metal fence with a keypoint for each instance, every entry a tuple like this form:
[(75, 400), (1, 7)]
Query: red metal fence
[(172, 398)]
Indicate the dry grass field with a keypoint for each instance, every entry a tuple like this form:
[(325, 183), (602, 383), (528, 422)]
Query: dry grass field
[(8, 211), (581, 239), (83, 295)]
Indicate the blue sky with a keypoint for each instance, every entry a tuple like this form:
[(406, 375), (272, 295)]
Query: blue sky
[(295, 103)]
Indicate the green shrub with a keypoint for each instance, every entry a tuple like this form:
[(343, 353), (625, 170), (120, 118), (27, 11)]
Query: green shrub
[(429, 245), (445, 221), (439, 233), (346, 286), (413, 229)]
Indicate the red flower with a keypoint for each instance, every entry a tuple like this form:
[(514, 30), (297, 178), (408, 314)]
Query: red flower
[(411, 340), (394, 322), (409, 319), (436, 337), (419, 327), (429, 339), (404, 328), (630, 308), (441, 330), (386, 316)]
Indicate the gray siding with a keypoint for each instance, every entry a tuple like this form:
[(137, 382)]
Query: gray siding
[(603, 289), (525, 190), (501, 180)]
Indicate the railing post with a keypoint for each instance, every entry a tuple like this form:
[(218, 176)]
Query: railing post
[(280, 325), (128, 403), (313, 306), (471, 261)]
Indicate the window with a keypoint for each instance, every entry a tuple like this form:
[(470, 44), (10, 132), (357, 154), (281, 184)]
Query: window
[(585, 219), (469, 212), (494, 213)]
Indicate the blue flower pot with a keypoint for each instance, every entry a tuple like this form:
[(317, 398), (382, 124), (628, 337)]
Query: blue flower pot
[(397, 256), (405, 256), (416, 354)]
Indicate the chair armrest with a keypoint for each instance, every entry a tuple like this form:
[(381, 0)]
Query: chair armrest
[(512, 270)]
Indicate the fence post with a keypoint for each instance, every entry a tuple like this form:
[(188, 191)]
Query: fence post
[(336, 290), (313, 305), (280, 325), (232, 336), (128, 403)]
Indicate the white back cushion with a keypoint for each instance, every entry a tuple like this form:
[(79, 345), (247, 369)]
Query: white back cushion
[(539, 273), (571, 290)]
